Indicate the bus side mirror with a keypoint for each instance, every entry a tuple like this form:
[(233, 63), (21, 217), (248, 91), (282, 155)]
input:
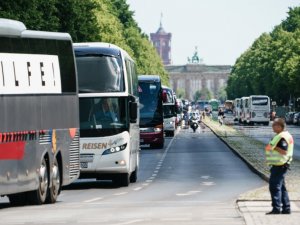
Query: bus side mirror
[(133, 112)]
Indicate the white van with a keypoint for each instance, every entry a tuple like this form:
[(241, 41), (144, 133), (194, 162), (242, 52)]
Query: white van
[(237, 109), (259, 109), (244, 118)]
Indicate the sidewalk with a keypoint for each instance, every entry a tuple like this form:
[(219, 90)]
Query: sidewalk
[(254, 204)]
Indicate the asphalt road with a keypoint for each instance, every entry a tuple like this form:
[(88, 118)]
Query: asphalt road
[(195, 179)]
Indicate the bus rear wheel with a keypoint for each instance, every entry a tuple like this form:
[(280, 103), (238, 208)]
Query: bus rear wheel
[(133, 176), (38, 197), (54, 190)]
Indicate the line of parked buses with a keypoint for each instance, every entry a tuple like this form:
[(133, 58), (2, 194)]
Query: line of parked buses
[(72, 111), (251, 110)]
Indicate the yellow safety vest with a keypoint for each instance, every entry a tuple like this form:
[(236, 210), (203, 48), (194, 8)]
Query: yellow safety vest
[(273, 157)]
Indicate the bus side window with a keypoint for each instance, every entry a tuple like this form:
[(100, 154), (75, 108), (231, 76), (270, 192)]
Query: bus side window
[(128, 71), (134, 79)]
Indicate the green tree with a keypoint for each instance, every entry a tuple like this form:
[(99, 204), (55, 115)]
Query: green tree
[(271, 65), (90, 20)]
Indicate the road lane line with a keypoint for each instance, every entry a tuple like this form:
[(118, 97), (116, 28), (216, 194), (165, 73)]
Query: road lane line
[(130, 222), (93, 200), (176, 219), (138, 188), (121, 193), (208, 183)]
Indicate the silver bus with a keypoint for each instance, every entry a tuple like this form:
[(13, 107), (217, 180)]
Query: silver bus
[(109, 115), (39, 125)]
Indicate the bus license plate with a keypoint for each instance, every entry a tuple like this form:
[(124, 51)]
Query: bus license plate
[(83, 165)]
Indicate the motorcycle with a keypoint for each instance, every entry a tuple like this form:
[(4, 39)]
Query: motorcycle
[(194, 124)]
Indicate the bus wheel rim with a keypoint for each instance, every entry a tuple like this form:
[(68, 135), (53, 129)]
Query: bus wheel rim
[(55, 180), (43, 179)]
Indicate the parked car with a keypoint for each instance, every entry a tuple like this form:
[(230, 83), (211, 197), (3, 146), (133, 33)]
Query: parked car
[(296, 119), (289, 117)]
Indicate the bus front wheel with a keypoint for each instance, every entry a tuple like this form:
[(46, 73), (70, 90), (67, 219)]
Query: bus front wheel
[(123, 180), (133, 176)]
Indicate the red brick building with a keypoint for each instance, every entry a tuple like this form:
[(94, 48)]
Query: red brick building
[(162, 42)]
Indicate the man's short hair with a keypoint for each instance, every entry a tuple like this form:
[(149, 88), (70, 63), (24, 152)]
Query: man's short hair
[(279, 122)]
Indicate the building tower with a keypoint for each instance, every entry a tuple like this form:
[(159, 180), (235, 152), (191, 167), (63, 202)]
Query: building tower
[(162, 42)]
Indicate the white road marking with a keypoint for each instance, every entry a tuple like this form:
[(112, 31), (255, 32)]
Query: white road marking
[(194, 192), (176, 219), (93, 200), (188, 193), (145, 184), (206, 177), (138, 188), (130, 222), (208, 183), (154, 175), (149, 181), (183, 194), (121, 193)]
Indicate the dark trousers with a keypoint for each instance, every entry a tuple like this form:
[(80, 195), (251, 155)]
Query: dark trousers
[(279, 194)]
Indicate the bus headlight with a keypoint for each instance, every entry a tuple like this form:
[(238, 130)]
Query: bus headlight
[(158, 128), (115, 149)]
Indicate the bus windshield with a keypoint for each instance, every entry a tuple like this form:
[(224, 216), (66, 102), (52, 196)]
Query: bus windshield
[(103, 116), (169, 111), (150, 102), (100, 74), (260, 101)]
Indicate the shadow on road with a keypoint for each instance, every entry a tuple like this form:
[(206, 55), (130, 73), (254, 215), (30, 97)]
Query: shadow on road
[(84, 184)]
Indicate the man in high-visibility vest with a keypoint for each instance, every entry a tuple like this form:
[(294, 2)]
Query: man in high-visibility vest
[(279, 154)]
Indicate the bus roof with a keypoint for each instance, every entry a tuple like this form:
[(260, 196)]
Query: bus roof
[(264, 96), (14, 28), (154, 78), (101, 48)]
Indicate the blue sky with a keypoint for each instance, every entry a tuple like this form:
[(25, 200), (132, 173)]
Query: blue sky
[(221, 29)]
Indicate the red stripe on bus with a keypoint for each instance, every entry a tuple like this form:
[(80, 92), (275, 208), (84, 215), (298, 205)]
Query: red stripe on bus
[(12, 151)]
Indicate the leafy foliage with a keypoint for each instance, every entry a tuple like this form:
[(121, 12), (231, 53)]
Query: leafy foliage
[(90, 20), (271, 65)]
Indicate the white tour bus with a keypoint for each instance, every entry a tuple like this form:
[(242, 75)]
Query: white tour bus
[(244, 110), (109, 115), (39, 109), (170, 114), (259, 109), (237, 109)]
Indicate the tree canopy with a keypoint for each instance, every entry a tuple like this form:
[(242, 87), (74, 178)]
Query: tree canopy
[(90, 20), (271, 66)]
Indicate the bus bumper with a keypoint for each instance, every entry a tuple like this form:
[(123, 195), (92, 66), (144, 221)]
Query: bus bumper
[(152, 138)]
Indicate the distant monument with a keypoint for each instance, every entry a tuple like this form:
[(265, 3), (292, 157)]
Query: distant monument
[(162, 42), (195, 58)]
